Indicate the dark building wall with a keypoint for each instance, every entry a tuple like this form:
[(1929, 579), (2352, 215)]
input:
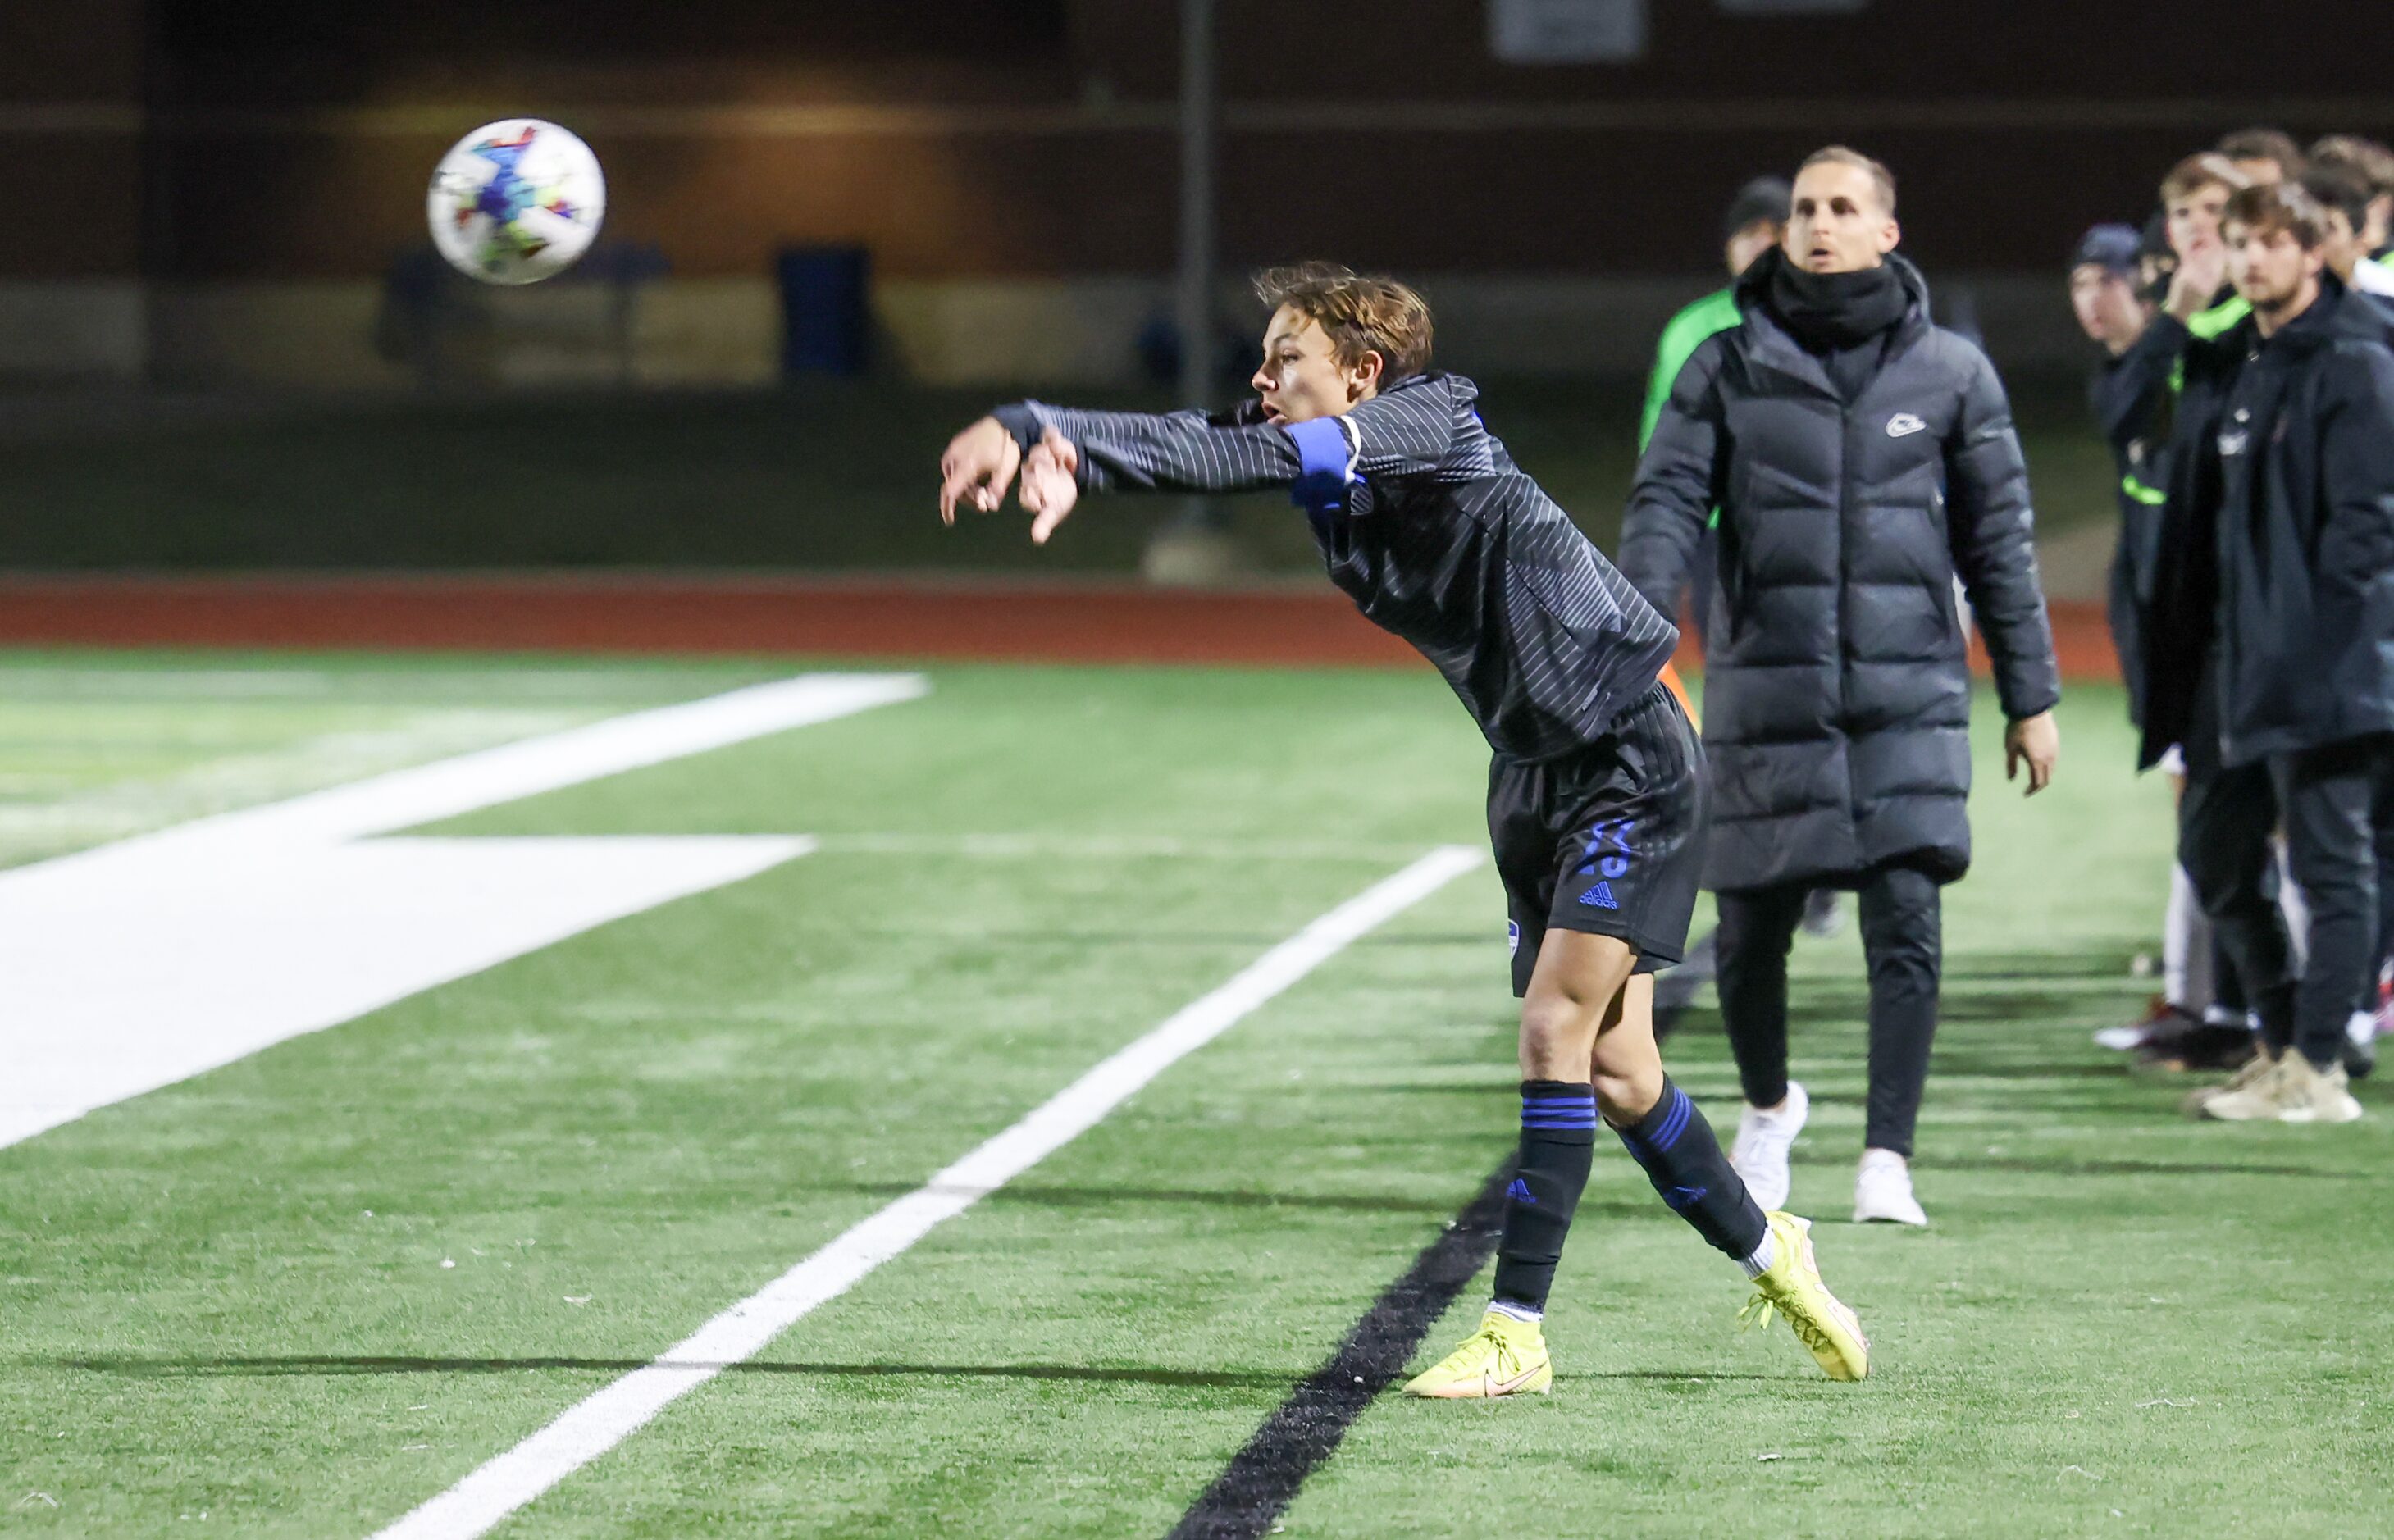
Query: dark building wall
[(965, 138), (70, 167)]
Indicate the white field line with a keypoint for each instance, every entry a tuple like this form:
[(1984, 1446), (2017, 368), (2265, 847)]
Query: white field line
[(597, 1424), (1018, 846), (447, 788)]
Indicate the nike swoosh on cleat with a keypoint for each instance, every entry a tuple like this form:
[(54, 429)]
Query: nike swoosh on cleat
[(1490, 1384)]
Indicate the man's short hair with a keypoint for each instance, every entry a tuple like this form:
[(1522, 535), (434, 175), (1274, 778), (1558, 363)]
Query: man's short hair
[(2282, 207), (2265, 144), (1359, 313), (1838, 154), (2366, 159), (2335, 186), (2208, 168)]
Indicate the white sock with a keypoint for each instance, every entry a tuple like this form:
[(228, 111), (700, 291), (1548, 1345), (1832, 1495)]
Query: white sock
[(2184, 935), (2361, 1027), (1518, 1312), (1764, 1255)]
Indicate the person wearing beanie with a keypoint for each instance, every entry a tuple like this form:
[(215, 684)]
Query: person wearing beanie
[(1756, 218), (2197, 1021)]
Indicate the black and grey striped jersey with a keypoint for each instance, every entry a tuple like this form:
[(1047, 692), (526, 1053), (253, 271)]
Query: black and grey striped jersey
[(1443, 541)]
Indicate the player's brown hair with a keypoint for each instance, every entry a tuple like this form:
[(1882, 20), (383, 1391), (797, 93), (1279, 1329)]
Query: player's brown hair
[(2265, 144), (2366, 159), (2285, 207), (1838, 154), (2196, 172), (1361, 312), (2335, 186)]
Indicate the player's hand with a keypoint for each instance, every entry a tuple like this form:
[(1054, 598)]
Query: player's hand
[(2201, 270), (978, 467), (1049, 489), (2033, 741)]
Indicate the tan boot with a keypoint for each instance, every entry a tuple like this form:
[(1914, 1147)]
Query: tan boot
[(2254, 1099), (2310, 1095), (2254, 1068)]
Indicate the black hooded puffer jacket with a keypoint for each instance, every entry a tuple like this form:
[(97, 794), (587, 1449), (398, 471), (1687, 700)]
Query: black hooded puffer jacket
[(1837, 703)]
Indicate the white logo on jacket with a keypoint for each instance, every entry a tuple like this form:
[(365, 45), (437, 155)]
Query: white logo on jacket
[(2232, 444), (1903, 423)]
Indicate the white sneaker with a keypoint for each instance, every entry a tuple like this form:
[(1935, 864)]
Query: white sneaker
[(1883, 1191), (1764, 1137)]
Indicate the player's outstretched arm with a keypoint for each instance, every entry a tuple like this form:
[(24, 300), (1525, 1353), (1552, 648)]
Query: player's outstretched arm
[(1173, 452), (1061, 453)]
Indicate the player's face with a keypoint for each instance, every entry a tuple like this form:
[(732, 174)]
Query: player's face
[(2195, 220), (2106, 305), (2339, 246), (1301, 378), (1838, 223), (2269, 270), (1751, 243)]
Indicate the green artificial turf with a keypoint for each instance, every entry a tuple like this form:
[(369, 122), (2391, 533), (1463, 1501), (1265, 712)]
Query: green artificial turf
[(229, 1297)]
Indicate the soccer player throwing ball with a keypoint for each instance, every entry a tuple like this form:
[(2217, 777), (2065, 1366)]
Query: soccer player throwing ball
[(1596, 797)]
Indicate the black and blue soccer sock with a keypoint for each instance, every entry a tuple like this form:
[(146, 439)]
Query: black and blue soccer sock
[(1686, 1164), (1557, 1147)]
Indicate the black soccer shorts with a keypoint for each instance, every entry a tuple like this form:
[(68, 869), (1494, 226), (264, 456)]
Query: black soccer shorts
[(1608, 841)]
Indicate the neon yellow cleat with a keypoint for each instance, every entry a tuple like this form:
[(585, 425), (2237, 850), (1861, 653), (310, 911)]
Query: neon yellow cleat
[(1505, 1357), (1793, 1288)]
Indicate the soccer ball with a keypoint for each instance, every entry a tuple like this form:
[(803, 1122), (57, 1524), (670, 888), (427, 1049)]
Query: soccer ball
[(515, 202)]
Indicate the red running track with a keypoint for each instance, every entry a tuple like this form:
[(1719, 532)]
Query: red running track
[(891, 618)]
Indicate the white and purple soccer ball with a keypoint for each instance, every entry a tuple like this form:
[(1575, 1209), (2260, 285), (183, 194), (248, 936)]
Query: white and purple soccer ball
[(517, 201)]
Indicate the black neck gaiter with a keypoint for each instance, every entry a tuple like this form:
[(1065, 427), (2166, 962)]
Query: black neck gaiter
[(1825, 311)]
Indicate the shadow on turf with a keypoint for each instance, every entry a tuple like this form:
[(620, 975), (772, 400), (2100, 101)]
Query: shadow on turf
[(311, 1364)]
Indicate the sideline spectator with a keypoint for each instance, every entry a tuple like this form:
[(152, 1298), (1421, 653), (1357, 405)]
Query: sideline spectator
[(2265, 155), (1859, 455), (2109, 279), (2305, 471)]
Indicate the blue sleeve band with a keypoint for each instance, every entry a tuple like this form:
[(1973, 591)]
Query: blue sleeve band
[(1021, 420), (1323, 457)]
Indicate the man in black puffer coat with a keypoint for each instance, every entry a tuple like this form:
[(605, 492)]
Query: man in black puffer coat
[(1862, 458)]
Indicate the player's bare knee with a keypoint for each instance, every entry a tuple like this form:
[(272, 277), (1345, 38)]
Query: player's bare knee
[(1557, 1032), (1625, 1097)]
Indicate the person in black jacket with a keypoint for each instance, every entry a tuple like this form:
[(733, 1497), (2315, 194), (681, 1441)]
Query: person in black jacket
[(2198, 1020), (1860, 459), (2182, 371), (2109, 309), (2304, 450)]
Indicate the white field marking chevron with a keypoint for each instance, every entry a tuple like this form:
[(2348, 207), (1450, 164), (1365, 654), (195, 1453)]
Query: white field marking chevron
[(135, 964)]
